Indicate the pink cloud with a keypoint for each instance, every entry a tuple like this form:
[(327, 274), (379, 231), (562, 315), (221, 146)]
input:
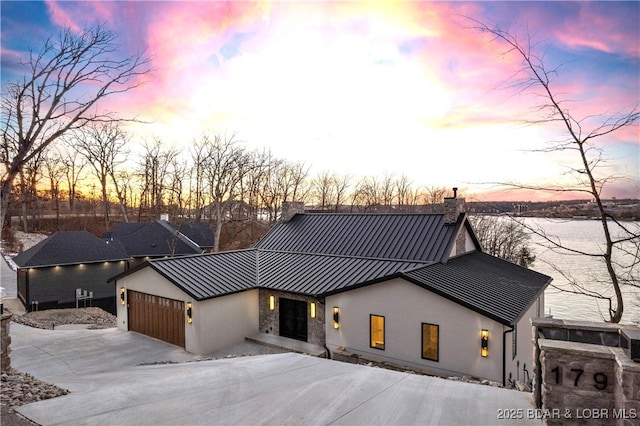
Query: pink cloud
[(61, 17), (595, 27)]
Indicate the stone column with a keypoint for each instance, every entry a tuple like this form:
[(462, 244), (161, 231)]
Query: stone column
[(578, 383), (627, 392), (5, 359)]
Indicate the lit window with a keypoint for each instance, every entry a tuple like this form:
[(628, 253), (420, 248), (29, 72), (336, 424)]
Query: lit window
[(377, 331), (430, 340)]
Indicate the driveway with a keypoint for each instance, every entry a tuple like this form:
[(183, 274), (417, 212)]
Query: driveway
[(108, 385)]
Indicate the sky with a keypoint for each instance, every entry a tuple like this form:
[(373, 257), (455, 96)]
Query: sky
[(368, 88)]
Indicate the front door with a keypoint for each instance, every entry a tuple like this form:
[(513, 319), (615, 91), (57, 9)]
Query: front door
[(293, 319)]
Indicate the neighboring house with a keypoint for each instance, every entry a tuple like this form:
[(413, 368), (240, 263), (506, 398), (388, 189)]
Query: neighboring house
[(144, 241), (198, 232), (50, 272), (411, 289)]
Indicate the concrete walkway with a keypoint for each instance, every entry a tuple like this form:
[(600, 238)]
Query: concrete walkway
[(108, 386), (292, 345)]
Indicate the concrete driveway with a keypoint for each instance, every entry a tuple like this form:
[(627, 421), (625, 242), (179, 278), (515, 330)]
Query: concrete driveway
[(108, 386)]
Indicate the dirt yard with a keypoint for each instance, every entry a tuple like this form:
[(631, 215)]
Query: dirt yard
[(49, 319)]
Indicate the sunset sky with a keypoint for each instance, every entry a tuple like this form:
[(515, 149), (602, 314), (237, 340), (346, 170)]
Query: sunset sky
[(366, 88)]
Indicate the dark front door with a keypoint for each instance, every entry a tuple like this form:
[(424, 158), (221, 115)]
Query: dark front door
[(293, 319)]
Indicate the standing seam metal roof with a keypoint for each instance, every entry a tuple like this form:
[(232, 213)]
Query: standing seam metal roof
[(418, 237), (494, 287), (217, 274), (323, 254)]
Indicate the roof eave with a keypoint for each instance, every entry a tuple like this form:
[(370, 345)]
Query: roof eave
[(87, 262), (542, 289)]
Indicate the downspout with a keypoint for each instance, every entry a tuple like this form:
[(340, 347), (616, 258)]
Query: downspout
[(504, 355), (328, 351)]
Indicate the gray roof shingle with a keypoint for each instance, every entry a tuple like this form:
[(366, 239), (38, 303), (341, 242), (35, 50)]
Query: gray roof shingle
[(157, 238), (198, 232), (69, 248)]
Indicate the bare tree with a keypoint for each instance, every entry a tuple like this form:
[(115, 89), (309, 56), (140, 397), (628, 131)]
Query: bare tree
[(407, 196), (225, 167), (74, 163), (434, 196), (341, 185), (103, 145), (154, 170), (29, 177), (55, 170), (503, 238), (61, 91), (197, 196), (580, 136), (323, 189)]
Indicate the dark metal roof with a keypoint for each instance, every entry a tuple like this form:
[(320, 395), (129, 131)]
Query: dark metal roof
[(323, 254), (69, 248), (210, 275), (418, 237), (157, 238), (494, 287), (317, 275), (217, 274)]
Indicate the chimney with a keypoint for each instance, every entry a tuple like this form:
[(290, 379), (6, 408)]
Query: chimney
[(453, 206), (290, 209), (164, 216)]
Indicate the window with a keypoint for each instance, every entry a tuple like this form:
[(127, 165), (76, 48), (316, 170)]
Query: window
[(377, 331), (430, 341)]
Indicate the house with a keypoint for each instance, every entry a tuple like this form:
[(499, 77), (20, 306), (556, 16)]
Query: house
[(143, 241), (50, 272), (410, 289), (198, 232)]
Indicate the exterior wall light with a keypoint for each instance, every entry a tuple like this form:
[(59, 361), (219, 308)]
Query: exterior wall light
[(336, 317), (272, 302), (312, 309), (484, 343), (189, 313), (122, 295)]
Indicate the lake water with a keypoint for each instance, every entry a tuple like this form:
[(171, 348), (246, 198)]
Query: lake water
[(586, 236)]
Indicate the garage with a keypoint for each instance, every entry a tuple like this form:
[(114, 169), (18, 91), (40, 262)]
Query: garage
[(156, 316)]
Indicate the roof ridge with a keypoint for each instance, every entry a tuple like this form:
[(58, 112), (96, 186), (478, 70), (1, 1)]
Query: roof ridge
[(369, 214), (383, 259)]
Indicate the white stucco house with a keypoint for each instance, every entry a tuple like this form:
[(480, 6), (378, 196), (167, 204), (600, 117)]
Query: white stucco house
[(412, 289)]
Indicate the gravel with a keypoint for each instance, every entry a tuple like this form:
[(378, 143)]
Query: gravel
[(21, 388)]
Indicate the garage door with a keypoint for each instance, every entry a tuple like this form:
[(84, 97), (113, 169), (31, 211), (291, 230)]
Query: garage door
[(157, 317)]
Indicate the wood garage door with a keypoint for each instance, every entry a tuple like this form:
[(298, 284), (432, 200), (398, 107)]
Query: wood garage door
[(157, 317)]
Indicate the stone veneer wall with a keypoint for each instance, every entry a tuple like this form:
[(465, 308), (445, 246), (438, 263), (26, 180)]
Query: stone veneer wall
[(584, 383), (5, 358), (269, 320)]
